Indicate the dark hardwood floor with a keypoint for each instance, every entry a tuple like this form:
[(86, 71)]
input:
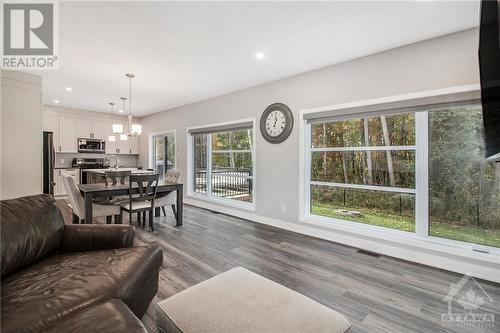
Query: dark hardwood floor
[(376, 294)]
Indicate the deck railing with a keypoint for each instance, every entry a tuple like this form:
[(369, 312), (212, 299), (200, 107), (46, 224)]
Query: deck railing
[(226, 182)]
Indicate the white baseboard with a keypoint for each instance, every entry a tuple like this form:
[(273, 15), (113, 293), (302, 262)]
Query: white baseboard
[(483, 269)]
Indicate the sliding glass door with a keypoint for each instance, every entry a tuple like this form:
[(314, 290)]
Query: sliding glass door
[(163, 153)]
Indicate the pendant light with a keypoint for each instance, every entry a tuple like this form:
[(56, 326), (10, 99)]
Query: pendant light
[(132, 129), (123, 137), (112, 138), (117, 128)]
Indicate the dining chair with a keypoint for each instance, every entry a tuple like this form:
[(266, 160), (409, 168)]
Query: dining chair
[(115, 177), (172, 176), (78, 204), (143, 201)]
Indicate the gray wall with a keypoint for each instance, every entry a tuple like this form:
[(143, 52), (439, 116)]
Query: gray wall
[(21, 134), (438, 63)]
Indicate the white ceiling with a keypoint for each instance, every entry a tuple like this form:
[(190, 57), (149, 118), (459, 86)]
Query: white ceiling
[(183, 52)]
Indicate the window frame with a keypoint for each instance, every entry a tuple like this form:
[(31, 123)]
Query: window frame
[(421, 191), (190, 163), (151, 147)]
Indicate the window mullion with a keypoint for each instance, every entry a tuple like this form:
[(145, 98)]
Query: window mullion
[(422, 174), (307, 170), (209, 164)]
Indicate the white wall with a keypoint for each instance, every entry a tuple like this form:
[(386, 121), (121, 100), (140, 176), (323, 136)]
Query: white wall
[(442, 62), (437, 63), (21, 137)]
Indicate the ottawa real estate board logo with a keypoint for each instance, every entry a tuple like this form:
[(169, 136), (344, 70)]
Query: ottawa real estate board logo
[(468, 305), (29, 35)]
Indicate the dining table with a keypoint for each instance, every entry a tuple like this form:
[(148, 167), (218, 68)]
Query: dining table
[(101, 190)]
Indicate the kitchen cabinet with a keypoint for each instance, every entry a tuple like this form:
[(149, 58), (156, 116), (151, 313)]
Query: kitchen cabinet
[(67, 129), (51, 124), (83, 129), (67, 135), (122, 146), (91, 129), (129, 146), (134, 145), (98, 129), (110, 145)]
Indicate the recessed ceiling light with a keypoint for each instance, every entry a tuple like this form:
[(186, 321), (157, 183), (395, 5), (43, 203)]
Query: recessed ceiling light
[(56, 101), (69, 89), (259, 55)]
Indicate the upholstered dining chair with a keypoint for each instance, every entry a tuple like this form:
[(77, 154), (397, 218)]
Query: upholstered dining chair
[(78, 204), (143, 201), (172, 176)]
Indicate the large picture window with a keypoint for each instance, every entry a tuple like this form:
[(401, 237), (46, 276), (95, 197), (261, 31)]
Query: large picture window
[(464, 188), (222, 164), (363, 170), (368, 169)]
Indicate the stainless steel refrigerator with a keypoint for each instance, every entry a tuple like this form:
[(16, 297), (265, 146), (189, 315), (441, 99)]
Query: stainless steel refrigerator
[(49, 158)]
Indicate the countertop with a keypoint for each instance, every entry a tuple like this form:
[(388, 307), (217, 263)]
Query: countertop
[(134, 171)]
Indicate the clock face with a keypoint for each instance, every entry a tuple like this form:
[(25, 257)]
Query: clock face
[(275, 123)]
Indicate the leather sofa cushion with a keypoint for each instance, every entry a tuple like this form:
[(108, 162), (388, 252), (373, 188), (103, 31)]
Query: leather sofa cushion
[(62, 285), (110, 317), (31, 229)]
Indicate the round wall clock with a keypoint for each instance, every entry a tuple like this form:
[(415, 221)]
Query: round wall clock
[(276, 123)]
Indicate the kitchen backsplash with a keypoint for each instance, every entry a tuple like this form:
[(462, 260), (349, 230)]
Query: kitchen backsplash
[(64, 160)]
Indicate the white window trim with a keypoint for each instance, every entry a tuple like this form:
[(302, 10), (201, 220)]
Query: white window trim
[(363, 148), (420, 236), (214, 199), (151, 146)]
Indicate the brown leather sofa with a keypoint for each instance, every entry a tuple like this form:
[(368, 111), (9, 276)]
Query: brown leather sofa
[(71, 278)]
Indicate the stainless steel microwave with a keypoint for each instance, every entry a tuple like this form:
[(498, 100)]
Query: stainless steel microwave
[(95, 146)]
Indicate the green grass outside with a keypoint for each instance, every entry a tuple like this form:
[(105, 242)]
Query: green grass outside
[(464, 233)]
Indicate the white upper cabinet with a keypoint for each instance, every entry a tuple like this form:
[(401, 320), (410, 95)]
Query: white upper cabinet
[(67, 135), (91, 129), (110, 145), (68, 129), (99, 129), (83, 128), (134, 145), (51, 124)]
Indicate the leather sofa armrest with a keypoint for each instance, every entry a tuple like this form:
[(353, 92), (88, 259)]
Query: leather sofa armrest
[(91, 237)]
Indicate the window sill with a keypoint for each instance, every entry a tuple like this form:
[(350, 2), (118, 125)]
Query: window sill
[(405, 238), (250, 206)]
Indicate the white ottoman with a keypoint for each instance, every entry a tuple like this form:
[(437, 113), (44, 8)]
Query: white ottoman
[(242, 301)]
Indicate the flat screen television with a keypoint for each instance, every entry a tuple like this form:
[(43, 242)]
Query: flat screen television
[(489, 67)]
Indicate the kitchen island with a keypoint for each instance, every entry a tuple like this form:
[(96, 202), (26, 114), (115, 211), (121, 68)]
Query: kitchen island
[(98, 175)]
